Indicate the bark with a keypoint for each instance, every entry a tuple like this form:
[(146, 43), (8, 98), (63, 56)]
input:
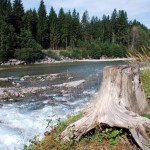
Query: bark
[(119, 103)]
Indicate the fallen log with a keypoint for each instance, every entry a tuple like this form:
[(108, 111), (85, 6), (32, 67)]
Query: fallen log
[(119, 103)]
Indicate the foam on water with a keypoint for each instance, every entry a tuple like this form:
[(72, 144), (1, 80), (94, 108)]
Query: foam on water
[(21, 121)]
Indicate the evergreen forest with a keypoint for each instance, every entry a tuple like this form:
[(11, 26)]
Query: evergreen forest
[(25, 33)]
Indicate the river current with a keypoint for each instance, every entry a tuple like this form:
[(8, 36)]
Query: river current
[(25, 119)]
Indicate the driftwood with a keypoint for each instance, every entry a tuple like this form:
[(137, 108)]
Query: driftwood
[(119, 103)]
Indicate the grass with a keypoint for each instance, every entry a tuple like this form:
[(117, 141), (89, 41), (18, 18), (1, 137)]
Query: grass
[(106, 139), (146, 81)]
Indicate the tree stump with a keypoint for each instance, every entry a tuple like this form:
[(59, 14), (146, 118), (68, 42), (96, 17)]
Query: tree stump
[(119, 103)]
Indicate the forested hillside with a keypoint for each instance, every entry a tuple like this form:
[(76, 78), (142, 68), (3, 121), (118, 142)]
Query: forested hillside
[(25, 33)]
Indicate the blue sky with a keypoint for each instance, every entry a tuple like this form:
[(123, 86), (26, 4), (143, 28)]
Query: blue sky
[(136, 9)]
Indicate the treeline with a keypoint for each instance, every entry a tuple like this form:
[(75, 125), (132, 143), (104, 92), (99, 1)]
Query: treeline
[(23, 34)]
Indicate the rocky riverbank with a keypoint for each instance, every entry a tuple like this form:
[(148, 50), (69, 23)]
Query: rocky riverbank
[(35, 86), (46, 60), (49, 60)]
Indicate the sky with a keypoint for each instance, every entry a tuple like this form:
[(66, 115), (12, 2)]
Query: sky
[(136, 9)]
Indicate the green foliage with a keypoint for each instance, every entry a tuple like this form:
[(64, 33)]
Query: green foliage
[(146, 115), (84, 54), (42, 26), (146, 81), (53, 22), (30, 50), (30, 20), (113, 135), (52, 54), (94, 50), (5, 40), (119, 51), (113, 50), (65, 53), (76, 54), (92, 140), (90, 38), (28, 54), (17, 15)]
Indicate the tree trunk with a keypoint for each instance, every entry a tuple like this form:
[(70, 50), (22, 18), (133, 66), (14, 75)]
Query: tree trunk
[(119, 103)]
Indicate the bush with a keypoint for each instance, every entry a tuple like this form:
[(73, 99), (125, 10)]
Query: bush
[(119, 51), (113, 50), (28, 54), (76, 54), (65, 53), (94, 50), (107, 49), (52, 54), (85, 54)]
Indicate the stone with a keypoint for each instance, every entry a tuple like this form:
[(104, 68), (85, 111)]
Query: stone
[(11, 100), (46, 133)]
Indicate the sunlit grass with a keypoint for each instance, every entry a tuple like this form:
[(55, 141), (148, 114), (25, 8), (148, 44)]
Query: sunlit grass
[(146, 81)]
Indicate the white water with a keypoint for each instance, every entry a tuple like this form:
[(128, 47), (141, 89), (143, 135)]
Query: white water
[(22, 121)]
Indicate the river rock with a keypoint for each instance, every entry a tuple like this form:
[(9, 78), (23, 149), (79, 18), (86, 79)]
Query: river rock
[(11, 100), (73, 84), (5, 64), (4, 79), (46, 133), (21, 79)]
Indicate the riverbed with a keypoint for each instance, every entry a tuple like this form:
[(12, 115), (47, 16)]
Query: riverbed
[(24, 119)]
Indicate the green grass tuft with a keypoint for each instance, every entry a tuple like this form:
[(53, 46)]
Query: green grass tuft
[(146, 81)]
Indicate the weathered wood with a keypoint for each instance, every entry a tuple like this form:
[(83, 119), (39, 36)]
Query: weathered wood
[(119, 103)]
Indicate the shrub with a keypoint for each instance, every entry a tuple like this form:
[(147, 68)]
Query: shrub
[(113, 50), (65, 53), (85, 54), (107, 49), (94, 50), (52, 54), (28, 54), (76, 54), (119, 51)]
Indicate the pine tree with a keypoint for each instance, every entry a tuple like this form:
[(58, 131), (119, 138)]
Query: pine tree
[(63, 28), (4, 40), (69, 25), (42, 30), (114, 25), (106, 23), (122, 35), (75, 29), (96, 29), (85, 26), (53, 22), (18, 13), (30, 22)]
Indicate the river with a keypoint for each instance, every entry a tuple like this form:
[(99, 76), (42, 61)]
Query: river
[(25, 119)]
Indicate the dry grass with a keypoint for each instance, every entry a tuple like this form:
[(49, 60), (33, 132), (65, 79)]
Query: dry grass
[(142, 57)]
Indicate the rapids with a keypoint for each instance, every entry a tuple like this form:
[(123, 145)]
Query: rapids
[(25, 119)]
